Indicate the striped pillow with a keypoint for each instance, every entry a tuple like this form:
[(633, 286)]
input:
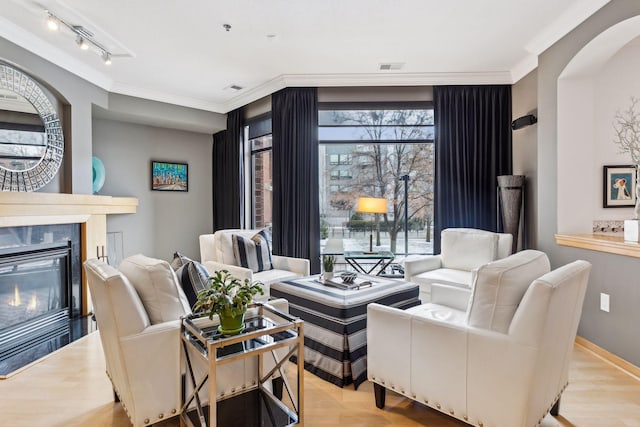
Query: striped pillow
[(253, 253)]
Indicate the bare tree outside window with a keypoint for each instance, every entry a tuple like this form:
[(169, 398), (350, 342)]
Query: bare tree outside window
[(385, 145)]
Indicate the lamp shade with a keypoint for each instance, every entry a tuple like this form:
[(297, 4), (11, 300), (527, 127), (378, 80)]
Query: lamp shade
[(372, 205)]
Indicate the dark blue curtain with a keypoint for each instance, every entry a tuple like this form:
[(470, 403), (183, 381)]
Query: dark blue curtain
[(227, 174), (296, 212), (473, 147)]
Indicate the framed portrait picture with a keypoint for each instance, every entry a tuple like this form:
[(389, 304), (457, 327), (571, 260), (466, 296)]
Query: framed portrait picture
[(169, 176), (619, 189)]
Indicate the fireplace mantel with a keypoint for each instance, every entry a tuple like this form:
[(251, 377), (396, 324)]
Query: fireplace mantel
[(21, 209)]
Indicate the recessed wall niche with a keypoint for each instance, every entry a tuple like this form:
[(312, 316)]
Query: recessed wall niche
[(596, 83)]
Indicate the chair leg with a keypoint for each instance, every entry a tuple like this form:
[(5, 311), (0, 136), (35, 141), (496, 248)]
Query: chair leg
[(277, 384), (380, 393), (116, 398), (555, 410)]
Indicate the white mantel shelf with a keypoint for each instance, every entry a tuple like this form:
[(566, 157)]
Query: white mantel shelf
[(46, 204), (601, 243)]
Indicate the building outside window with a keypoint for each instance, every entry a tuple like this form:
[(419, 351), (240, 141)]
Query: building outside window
[(364, 151), (258, 133)]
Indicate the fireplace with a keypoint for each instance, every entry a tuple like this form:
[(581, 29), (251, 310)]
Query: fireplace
[(40, 291)]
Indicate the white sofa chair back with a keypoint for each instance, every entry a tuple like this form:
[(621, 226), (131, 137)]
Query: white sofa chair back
[(463, 251), (138, 310), (216, 252), (503, 361)]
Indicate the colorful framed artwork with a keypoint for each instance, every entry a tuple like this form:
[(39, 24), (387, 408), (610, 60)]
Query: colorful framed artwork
[(619, 188), (169, 176)]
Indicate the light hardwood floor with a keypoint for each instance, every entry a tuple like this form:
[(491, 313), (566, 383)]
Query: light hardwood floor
[(70, 388)]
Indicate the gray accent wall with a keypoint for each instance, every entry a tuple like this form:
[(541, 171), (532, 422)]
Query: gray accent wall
[(166, 221), (619, 276)]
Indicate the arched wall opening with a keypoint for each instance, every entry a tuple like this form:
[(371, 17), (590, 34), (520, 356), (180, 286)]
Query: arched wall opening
[(598, 81)]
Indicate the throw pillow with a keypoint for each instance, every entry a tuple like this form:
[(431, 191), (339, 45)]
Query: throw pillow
[(157, 286), (179, 260), (253, 253), (193, 278)]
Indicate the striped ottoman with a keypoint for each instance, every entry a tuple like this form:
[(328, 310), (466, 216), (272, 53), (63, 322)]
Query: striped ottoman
[(335, 328)]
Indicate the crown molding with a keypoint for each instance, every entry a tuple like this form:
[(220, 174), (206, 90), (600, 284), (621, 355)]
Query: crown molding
[(524, 67), (184, 101), (370, 79)]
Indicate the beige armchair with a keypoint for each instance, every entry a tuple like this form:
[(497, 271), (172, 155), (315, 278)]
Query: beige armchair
[(463, 250), (216, 253), (502, 362), (138, 310)]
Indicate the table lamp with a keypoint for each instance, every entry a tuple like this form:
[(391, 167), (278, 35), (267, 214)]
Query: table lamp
[(372, 205)]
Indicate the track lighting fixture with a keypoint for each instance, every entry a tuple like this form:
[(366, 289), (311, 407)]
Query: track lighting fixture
[(53, 23), (84, 37), (82, 43)]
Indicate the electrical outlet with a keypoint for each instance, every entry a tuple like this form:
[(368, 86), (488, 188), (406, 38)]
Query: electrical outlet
[(604, 302)]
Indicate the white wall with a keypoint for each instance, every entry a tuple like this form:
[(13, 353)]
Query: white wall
[(165, 221)]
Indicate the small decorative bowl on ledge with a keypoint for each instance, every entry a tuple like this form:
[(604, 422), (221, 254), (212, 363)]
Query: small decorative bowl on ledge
[(348, 277)]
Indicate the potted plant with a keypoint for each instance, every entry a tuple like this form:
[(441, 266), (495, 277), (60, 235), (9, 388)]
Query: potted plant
[(228, 297), (327, 263)]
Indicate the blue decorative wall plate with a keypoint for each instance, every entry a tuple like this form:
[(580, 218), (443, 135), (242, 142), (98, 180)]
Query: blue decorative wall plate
[(98, 174)]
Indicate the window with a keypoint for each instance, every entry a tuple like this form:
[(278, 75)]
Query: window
[(365, 151), (259, 136)]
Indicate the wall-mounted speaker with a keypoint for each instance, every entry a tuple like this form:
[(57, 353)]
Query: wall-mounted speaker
[(523, 121)]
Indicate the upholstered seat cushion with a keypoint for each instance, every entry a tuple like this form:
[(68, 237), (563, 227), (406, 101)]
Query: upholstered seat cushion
[(446, 276), (157, 285), (441, 313)]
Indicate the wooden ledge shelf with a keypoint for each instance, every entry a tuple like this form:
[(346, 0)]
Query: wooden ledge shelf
[(601, 243)]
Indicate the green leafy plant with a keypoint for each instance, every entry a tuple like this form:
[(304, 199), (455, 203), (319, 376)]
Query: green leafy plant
[(226, 295), (327, 262)]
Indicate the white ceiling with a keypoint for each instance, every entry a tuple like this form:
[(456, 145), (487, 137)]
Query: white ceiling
[(177, 51)]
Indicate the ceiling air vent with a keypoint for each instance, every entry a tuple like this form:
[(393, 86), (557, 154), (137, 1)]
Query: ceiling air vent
[(236, 87), (391, 65)]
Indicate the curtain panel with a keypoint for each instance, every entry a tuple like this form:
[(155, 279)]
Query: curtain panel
[(227, 174), (296, 211), (473, 147)]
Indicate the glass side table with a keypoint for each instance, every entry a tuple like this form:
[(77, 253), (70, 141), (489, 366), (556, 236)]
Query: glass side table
[(358, 260), (266, 330)]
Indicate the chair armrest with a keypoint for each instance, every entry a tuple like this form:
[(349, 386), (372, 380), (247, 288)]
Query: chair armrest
[(416, 266), (389, 346), (297, 265), (239, 272), (451, 296)]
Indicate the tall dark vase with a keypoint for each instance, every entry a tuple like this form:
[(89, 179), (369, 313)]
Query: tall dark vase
[(511, 193)]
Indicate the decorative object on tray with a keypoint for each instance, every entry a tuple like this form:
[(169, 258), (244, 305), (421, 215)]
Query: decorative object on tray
[(626, 125), (348, 277), (328, 261), (228, 297), (347, 280)]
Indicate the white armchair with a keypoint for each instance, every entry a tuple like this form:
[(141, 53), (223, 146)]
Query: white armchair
[(463, 250), (138, 313), (503, 362), (216, 253)]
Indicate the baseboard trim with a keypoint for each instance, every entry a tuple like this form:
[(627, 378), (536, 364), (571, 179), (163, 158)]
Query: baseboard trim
[(607, 356)]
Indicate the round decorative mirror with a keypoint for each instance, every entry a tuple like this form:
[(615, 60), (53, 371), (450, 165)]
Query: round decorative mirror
[(31, 142)]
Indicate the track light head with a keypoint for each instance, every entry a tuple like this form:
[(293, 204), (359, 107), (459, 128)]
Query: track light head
[(82, 43), (53, 23), (106, 57)]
